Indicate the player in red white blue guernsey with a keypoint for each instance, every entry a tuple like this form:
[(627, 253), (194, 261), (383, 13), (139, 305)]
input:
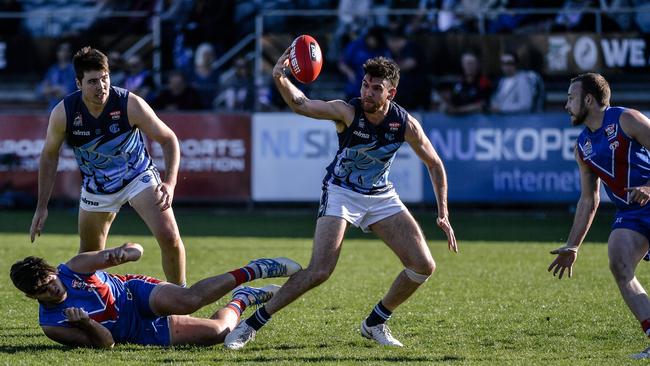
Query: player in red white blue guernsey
[(82, 305), (613, 148), (356, 191), (104, 126)]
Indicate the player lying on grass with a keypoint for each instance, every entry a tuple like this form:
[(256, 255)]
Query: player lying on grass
[(81, 305)]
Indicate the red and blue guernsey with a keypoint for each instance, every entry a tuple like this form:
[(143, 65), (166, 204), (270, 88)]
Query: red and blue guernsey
[(109, 151), (119, 303), (619, 161)]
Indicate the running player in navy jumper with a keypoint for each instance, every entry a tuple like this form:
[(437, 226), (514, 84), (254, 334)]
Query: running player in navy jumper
[(104, 124), (613, 147), (82, 305), (356, 191)]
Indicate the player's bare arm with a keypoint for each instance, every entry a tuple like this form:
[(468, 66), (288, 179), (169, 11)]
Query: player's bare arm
[(48, 164), (423, 148), (83, 331), (636, 125), (142, 116), (336, 110), (585, 212), (89, 262)]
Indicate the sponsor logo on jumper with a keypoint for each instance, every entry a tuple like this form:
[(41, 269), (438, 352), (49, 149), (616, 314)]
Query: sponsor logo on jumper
[(115, 115), (362, 123), (610, 131), (394, 126), (77, 122), (361, 134), (81, 133), (89, 202), (114, 128)]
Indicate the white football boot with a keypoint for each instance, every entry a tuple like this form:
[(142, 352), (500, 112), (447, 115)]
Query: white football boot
[(274, 267), (641, 355), (381, 334), (238, 337)]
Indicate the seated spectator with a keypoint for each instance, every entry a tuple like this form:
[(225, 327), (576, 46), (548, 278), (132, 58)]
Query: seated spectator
[(59, 80), (356, 53), (204, 77), (413, 86), (116, 64), (517, 90), (178, 95), (239, 91), (471, 94), (138, 79)]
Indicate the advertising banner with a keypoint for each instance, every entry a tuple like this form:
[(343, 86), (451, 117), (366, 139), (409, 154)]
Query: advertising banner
[(291, 153), (215, 157), (506, 159)]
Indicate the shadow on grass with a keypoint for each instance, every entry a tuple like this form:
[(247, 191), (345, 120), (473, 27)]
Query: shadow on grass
[(33, 349), (490, 225), (351, 358)]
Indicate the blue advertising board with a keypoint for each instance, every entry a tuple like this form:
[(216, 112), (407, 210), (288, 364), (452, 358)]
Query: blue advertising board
[(505, 158)]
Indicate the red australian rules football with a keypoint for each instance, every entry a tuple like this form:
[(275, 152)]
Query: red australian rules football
[(305, 59)]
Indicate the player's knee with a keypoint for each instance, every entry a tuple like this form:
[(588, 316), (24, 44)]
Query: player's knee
[(622, 271), (169, 238), (318, 275), (419, 277)]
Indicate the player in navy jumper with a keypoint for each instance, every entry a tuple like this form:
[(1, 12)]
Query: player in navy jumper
[(103, 125), (356, 191), (613, 148)]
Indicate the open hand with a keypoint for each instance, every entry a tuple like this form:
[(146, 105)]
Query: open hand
[(443, 223), (566, 256)]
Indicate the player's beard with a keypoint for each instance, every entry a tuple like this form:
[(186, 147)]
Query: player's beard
[(371, 106), (579, 118)]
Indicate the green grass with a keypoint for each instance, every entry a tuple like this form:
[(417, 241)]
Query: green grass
[(493, 304)]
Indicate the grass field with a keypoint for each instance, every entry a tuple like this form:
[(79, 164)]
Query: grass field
[(492, 304)]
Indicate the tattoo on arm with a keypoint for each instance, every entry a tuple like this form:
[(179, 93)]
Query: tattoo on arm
[(299, 100)]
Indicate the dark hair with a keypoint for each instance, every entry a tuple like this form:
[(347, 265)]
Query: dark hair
[(596, 85), (381, 67), (30, 273), (89, 59)]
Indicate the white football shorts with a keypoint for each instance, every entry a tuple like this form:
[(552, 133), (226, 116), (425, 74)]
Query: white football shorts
[(359, 209), (113, 202)]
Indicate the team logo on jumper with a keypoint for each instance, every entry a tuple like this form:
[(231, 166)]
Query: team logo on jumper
[(145, 179), (587, 148), (394, 126), (114, 128), (77, 122), (610, 131), (613, 145), (80, 285), (389, 136), (115, 115)]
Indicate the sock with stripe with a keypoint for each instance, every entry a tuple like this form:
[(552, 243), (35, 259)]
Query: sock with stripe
[(237, 305), (258, 319), (243, 274), (378, 315)]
